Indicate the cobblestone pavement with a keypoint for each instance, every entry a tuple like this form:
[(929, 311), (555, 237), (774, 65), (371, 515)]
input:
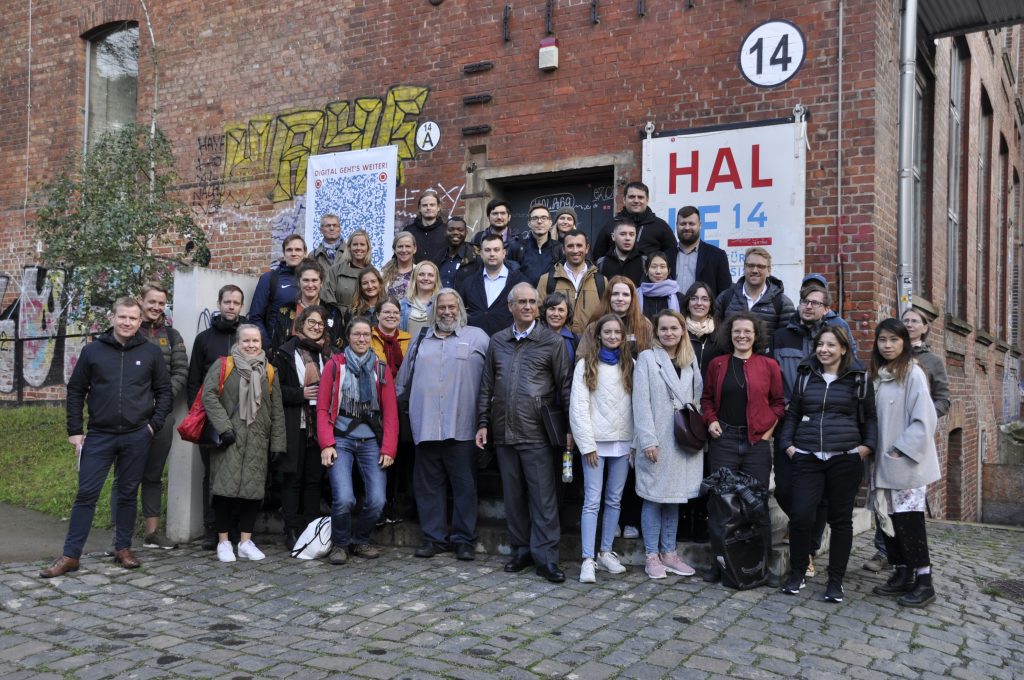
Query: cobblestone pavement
[(185, 615)]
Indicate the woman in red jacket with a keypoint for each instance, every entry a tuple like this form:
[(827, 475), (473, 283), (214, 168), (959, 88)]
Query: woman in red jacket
[(357, 422), (742, 402)]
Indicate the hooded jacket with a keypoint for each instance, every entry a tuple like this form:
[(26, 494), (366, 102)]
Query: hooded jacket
[(652, 234), (126, 387), (430, 241), (830, 417), (265, 302)]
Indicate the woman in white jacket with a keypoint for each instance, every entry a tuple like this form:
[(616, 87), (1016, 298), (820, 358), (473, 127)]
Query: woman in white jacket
[(905, 462), (667, 377), (601, 417)]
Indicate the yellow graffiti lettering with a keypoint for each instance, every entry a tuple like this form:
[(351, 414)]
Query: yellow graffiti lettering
[(281, 144)]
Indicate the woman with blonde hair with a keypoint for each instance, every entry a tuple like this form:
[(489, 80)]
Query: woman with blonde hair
[(397, 272), (344, 275), (415, 306), (602, 426), (667, 378)]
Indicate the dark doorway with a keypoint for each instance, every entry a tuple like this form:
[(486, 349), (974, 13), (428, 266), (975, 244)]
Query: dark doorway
[(590, 192)]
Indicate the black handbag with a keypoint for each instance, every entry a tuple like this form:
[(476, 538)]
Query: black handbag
[(689, 428)]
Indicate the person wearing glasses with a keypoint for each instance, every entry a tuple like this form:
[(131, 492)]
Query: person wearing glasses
[(526, 370), (540, 250), (757, 292), (791, 345)]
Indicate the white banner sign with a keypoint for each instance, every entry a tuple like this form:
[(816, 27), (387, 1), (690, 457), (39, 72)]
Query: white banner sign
[(358, 187), (748, 184)]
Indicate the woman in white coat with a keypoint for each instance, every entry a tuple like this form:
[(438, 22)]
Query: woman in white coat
[(602, 425), (905, 462), (667, 377)]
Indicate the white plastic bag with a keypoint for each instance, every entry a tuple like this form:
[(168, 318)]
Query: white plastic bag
[(315, 540)]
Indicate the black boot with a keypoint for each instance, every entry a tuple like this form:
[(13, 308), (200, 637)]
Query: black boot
[(209, 540), (922, 595), (901, 582), (291, 537)]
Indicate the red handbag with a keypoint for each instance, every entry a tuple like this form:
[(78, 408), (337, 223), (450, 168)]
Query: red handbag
[(193, 426)]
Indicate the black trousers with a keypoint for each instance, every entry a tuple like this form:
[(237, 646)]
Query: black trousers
[(531, 509), (783, 468), (301, 490), (910, 544), (836, 480), (235, 513)]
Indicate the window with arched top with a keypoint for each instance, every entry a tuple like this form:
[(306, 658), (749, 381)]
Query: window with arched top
[(111, 79)]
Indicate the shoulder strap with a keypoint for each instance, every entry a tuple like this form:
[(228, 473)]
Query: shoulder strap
[(226, 367), (599, 281), (412, 359), (270, 377), (862, 393), (550, 287), (805, 378)]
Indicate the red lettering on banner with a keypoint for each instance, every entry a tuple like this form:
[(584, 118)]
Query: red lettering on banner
[(675, 171), (733, 175), (755, 168)]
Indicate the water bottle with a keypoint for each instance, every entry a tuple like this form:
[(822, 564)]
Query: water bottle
[(567, 466)]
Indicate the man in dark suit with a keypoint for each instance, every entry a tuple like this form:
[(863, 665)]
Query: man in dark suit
[(697, 260), (484, 289)]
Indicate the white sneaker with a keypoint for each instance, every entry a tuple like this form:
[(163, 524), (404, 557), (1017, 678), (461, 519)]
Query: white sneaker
[(609, 561), (225, 552), (630, 532), (249, 551), (587, 571)]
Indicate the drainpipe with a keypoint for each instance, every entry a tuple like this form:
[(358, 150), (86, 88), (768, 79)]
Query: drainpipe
[(904, 201)]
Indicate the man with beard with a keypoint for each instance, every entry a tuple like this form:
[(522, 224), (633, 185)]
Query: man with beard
[(210, 345), (428, 228), (441, 376), (758, 292), (697, 260), (457, 253), (652, 233)]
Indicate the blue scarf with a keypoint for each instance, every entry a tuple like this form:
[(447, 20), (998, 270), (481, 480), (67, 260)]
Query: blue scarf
[(359, 386), (609, 356), (666, 289)]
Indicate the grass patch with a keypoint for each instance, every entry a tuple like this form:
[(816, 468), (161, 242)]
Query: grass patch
[(39, 470)]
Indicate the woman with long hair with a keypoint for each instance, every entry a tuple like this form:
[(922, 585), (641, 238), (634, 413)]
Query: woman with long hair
[(248, 415), (658, 291), (699, 310), (620, 299), (344, 274), (300, 362), (667, 378), (368, 296), (397, 272), (556, 313), (829, 429), (905, 464), (426, 281), (356, 424), (601, 419), (742, 403)]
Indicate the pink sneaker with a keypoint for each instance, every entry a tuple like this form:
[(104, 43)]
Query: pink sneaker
[(675, 565), (654, 568)]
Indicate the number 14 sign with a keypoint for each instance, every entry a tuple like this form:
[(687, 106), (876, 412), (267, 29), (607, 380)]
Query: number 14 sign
[(772, 53)]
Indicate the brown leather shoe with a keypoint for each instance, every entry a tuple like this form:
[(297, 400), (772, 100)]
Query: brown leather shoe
[(60, 566), (126, 559)]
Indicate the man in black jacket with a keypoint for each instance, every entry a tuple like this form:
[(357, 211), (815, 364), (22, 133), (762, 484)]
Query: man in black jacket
[(428, 228), (457, 254), (625, 258), (485, 288), (652, 233), (125, 380), (525, 371), (211, 344), (540, 251), (697, 260)]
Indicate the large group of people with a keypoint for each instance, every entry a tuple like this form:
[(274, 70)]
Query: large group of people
[(388, 384)]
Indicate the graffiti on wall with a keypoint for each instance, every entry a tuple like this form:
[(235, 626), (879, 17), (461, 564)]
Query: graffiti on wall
[(206, 191), (279, 145), (407, 200), (36, 345)]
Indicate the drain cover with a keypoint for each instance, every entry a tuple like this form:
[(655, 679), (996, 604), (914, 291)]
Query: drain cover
[(1010, 589)]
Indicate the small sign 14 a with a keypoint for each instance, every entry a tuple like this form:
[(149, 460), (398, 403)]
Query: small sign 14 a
[(772, 53)]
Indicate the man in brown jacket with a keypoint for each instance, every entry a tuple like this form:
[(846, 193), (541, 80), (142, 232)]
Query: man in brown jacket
[(577, 279)]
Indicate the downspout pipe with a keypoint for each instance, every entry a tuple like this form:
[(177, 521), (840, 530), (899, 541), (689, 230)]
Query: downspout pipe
[(905, 197)]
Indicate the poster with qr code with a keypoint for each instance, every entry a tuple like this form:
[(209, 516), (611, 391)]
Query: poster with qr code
[(358, 187)]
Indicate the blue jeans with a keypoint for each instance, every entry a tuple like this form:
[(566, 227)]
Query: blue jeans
[(101, 450), (659, 522), (593, 479), (365, 453)]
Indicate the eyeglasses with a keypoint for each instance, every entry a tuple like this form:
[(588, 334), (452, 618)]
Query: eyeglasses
[(754, 265), (314, 323), (388, 312), (359, 335), (813, 304), (540, 218), (700, 299)]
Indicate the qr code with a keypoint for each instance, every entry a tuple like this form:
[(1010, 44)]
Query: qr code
[(360, 202)]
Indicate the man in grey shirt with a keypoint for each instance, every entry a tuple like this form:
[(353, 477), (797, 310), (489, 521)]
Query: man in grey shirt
[(441, 377)]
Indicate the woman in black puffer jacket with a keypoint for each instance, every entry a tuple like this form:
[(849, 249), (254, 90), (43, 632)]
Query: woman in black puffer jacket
[(829, 428)]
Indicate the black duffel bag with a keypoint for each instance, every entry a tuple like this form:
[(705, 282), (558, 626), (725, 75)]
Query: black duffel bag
[(738, 527)]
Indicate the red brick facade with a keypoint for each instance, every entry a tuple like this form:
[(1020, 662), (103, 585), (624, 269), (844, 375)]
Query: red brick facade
[(248, 90)]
